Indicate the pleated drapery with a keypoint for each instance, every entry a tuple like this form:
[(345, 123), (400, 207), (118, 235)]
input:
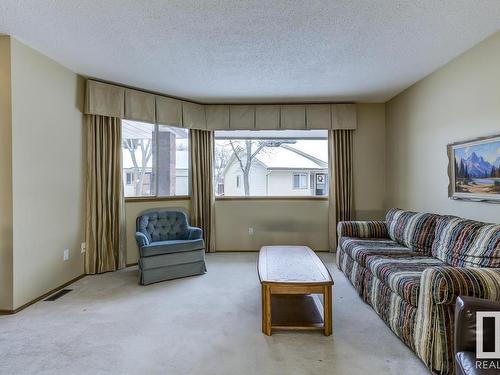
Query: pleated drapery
[(341, 200), (105, 221), (202, 193), (117, 101)]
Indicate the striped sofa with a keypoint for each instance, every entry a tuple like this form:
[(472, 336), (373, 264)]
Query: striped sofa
[(411, 268)]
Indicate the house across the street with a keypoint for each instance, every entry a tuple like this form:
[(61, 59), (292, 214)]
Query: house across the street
[(283, 170)]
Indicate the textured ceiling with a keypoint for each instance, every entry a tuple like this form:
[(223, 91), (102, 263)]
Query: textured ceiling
[(237, 51)]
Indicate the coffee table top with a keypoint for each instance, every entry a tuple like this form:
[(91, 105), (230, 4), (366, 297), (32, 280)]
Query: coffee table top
[(292, 265)]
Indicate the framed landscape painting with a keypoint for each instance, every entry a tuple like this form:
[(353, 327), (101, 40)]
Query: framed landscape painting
[(474, 169)]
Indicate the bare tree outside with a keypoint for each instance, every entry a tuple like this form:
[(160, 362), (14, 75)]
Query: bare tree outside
[(245, 152), (144, 147), (222, 154)]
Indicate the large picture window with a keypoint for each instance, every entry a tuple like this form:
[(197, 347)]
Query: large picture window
[(271, 163), (155, 160)]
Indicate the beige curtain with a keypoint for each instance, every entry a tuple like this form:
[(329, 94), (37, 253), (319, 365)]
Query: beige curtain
[(340, 148), (105, 233), (202, 195)]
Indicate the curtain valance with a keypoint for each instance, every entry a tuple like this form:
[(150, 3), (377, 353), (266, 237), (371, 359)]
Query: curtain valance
[(116, 101)]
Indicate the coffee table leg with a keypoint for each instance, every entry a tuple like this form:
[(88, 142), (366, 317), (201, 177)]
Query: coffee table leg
[(327, 309), (266, 310)]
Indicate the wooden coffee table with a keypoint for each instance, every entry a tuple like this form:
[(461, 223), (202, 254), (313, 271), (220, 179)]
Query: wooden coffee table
[(294, 273)]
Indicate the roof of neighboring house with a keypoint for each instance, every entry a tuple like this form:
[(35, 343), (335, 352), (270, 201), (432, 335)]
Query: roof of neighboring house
[(289, 157)]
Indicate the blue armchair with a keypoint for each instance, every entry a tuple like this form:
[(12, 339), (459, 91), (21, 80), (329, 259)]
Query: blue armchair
[(168, 247)]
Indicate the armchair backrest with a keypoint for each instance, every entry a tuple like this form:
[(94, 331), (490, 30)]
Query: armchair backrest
[(163, 225)]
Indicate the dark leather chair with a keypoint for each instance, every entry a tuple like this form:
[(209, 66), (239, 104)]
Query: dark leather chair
[(465, 335)]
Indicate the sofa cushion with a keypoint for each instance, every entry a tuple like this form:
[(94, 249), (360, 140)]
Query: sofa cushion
[(412, 229), (402, 274), (360, 248), (170, 247), (467, 243)]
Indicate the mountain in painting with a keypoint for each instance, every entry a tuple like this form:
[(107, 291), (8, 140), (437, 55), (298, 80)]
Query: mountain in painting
[(477, 167)]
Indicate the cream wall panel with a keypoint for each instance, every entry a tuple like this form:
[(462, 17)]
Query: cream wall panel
[(276, 222), (140, 106), (318, 116), (168, 111), (48, 175), (267, 117), (369, 162), (217, 116), (6, 234), (193, 115), (293, 116), (242, 117), (459, 101)]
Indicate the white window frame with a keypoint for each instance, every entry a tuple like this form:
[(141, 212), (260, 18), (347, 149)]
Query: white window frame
[(305, 179), (271, 135)]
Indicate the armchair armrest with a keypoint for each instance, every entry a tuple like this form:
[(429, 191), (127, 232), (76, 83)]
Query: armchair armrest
[(141, 239), (362, 229), (445, 284), (194, 233)]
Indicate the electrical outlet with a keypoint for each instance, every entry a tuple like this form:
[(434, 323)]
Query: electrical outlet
[(251, 231), (66, 254), (83, 247)]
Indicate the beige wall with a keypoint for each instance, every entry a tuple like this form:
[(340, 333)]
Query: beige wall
[(289, 222), (48, 183), (460, 101), (370, 162), (6, 298)]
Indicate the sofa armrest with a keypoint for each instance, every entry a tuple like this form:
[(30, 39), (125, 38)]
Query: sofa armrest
[(445, 284), (141, 239), (362, 229), (194, 233)]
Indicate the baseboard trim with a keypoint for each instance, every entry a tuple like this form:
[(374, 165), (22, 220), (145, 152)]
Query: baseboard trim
[(131, 264), (15, 311)]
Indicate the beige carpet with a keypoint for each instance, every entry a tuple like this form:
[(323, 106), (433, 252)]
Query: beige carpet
[(206, 324)]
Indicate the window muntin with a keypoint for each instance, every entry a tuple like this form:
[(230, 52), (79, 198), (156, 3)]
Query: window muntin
[(155, 160), (271, 163)]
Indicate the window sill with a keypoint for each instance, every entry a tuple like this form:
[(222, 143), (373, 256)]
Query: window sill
[(157, 199), (279, 198)]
